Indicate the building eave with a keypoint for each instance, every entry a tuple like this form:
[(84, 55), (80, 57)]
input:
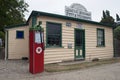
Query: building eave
[(15, 26), (39, 13)]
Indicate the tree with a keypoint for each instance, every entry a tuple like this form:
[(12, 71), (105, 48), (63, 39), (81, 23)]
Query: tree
[(117, 17), (107, 19), (117, 32), (12, 12), (104, 15), (2, 36), (107, 13)]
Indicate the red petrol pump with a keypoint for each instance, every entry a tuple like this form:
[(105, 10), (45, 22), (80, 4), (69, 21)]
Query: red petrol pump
[(36, 49)]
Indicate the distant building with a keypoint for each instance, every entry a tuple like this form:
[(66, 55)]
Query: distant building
[(77, 11)]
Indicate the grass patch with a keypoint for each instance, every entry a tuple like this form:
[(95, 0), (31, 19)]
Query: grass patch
[(57, 68)]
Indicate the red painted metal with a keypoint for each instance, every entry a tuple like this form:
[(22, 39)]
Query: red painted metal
[(36, 61)]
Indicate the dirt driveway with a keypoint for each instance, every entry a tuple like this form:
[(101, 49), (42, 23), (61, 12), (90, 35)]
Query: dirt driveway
[(18, 70)]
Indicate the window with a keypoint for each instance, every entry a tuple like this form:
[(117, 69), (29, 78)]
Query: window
[(100, 37), (53, 34), (19, 34)]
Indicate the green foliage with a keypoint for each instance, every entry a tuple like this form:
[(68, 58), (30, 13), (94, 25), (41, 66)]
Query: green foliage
[(12, 12), (107, 19), (107, 13), (117, 17), (104, 15), (117, 33), (2, 35), (37, 27)]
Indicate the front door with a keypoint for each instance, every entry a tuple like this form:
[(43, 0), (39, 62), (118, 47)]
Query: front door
[(79, 44)]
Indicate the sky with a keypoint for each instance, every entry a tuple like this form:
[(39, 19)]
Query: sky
[(58, 7)]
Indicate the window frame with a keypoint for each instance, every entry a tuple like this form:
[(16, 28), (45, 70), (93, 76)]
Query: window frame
[(47, 46), (17, 35), (102, 45)]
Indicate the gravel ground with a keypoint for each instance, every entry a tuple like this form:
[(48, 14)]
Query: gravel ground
[(19, 70)]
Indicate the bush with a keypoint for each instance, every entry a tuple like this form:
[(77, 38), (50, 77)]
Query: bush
[(117, 33), (2, 35)]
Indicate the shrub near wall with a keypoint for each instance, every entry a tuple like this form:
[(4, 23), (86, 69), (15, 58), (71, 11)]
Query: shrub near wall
[(117, 33), (2, 36), (117, 41), (2, 52)]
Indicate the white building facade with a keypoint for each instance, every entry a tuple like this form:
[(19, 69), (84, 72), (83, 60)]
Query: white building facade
[(77, 11)]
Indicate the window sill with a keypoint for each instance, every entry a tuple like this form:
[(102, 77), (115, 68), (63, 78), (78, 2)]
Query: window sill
[(100, 46), (54, 47), (19, 38)]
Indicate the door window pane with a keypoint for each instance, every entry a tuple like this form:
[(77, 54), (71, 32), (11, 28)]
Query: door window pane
[(79, 38), (100, 37)]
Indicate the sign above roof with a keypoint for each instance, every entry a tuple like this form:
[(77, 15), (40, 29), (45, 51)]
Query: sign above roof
[(77, 11)]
